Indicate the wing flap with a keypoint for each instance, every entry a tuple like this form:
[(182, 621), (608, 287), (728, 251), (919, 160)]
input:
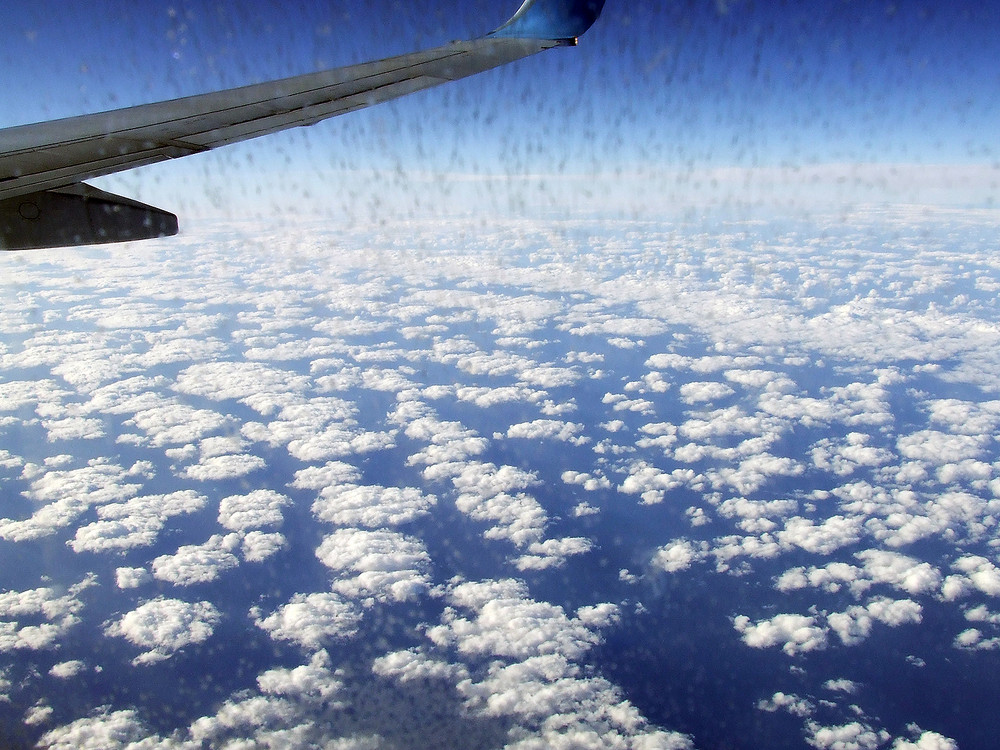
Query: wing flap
[(78, 215)]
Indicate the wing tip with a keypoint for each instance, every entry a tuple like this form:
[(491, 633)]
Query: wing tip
[(557, 20)]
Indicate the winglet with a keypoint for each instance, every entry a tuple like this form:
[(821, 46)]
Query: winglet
[(559, 20)]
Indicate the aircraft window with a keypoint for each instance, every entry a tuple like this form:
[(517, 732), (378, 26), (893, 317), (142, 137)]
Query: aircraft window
[(622, 378)]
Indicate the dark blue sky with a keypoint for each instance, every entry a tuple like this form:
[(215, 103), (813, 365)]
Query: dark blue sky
[(654, 85)]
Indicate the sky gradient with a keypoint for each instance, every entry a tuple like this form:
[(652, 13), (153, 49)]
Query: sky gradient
[(656, 92)]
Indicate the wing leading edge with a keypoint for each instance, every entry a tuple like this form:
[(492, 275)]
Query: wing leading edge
[(44, 203)]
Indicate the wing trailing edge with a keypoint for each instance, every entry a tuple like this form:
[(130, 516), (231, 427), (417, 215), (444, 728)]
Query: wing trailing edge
[(44, 201)]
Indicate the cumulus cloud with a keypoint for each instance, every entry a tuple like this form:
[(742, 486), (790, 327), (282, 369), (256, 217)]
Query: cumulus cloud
[(311, 620), (131, 578), (552, 553), (255, 510), (164, 626), (376, 565), (739, 471), (940, 447), (74, 428), (549, 429), (821, 538), (925, 740), (103, 729), (652, 483), (978, 571), (531, 675), (258, 546), (66, 494), (66, 670), (788, 702), (371, 505), (414, 664), (878, 567), (173, 423), (794, 633), (507, 622), (485, 496), (136, 522), (58, 610), (485, 398), (855, 624), (841, 685), (694, 393), (261, 387), (198, 563), (328, 475), (587, 481), (218, 468), (852, 736), (676, 556), (314, 682)]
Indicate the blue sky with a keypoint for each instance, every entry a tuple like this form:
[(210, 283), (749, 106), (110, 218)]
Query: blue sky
[(653, 87)]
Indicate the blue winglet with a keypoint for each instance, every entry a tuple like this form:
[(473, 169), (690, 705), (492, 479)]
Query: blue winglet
[(559, 20)]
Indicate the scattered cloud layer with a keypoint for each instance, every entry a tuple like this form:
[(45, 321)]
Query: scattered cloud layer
[(809, 409)]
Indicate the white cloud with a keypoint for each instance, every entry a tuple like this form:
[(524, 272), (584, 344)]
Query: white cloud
[(823, 538), (841, 685), (65, 495), (136, 522), (311, 620), (652, 483), (699, 392), (74, 428), (116, 536), (484, 497), (852, 736), (940, 447), (488, 397), (164, 626), (552, 553), (878, 567), (794, 633), (548, 429), (855, 624), (59, 611), (677, 556), (980, 572), (328, 475), (198, 563), (386, 565), (371, 505), (38, 714), (587, 481), (413, 664), (845, 457), (131, 578), (313, 682), (66, 670), (173, 423), (217, 468), (506, 622), (790, 703), (926, 740), (530, 676), (255, 510), (103, 730), (264, 389), (258, 546)]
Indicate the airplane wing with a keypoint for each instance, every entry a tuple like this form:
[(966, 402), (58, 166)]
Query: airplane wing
[(45, 203)]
